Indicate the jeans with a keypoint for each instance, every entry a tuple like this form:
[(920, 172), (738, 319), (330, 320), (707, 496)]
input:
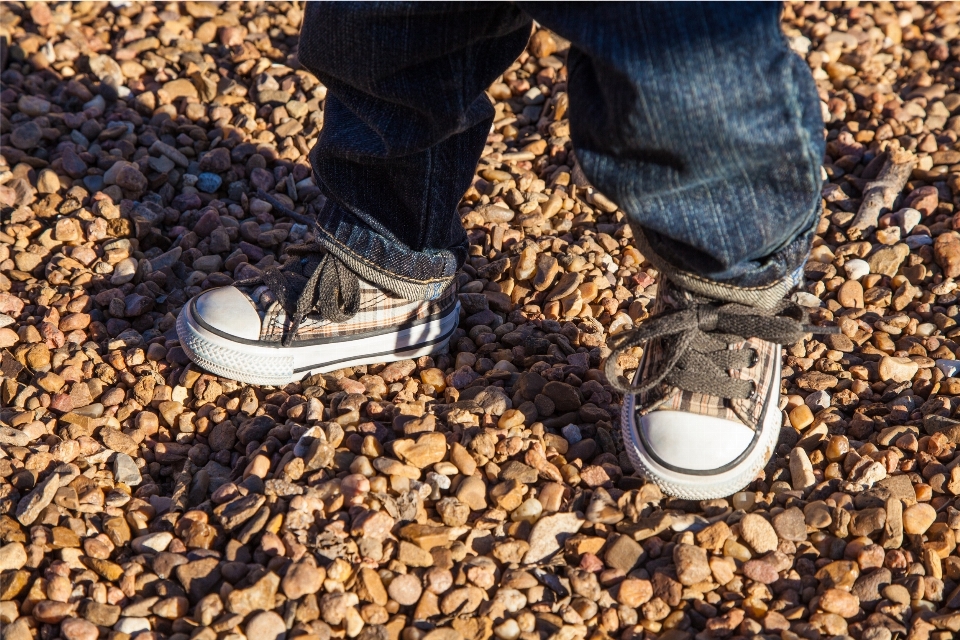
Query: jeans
[(695, 118)]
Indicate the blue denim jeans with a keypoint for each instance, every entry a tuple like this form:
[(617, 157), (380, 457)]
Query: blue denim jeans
[(695, 118)]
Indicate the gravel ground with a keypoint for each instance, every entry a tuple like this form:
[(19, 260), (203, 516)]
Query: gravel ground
[(479, 494)]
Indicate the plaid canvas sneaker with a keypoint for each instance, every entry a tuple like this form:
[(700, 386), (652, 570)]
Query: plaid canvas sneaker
[(309, 316), (704, 416)]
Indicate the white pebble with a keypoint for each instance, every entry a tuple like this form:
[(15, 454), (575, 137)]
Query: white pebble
[(529, 510), (805, 299), (948, 367), (509, 630), (132, 626), (856, 269), (442, 481), (152, 542), (817, 400), (926, 329), (800, 44), (908, 218)]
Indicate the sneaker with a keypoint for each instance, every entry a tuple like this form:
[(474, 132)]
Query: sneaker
[(309, 316), (704, 418)]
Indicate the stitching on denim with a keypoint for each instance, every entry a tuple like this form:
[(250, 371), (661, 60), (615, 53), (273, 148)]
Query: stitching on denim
[(428, 161), (714, 283), (329, 237), (670, 269)]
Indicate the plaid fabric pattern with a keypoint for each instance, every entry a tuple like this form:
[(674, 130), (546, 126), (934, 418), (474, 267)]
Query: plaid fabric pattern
[(378, 310), (748, 411)]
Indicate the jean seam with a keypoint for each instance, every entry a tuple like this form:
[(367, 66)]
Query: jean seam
[(329, 238), (421, 239), (796, 110)]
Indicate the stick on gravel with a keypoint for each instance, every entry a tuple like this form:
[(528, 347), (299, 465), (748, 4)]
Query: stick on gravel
[(879, 195)]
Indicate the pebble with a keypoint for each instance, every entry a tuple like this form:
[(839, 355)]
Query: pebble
[(918, 518), (302, 578), (758, 533), (549, 533), (572, 434), (266, 625), (13, 556), (405, 589), (692, 565), (856, 269), (77, 629), (840, 602), (897, 369), (125, 470), (209, 182), (801, 470)]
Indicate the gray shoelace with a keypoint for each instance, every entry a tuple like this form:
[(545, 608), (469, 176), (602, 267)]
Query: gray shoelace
[(311, 281), (696, 341)]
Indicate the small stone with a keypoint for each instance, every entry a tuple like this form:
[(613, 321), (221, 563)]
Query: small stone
[(26, 135), (917, 518), (790, 525), (801, 417), (897, 369), (302, 578), (428, 449), (801, 470), (692, 565), (843, 603), (946, 251), (77, 629), (623, 554), (405, 589), (542, 44), (856, 269), (886, 260), (850, 295), (758, 533), (13, 556), (259, 596), (473, 493), (208, 182), (564, 396), (634, 592), (760, 571), (548, 535), (125, 470), (33, 503), (266, 625)]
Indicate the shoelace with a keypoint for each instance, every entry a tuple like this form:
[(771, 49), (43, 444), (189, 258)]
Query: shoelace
[(310, 281), (696, 340)]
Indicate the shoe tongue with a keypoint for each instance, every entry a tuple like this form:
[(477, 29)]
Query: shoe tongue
[(749, 411)]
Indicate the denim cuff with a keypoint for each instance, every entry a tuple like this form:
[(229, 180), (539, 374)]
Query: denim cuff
[(767, 282), (386, 263)]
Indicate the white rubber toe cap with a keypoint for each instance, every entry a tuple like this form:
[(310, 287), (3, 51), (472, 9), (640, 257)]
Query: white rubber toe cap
[(226, 310), (688, 442)]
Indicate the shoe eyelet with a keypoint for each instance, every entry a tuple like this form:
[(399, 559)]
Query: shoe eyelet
[(754, 359), (753, 390)]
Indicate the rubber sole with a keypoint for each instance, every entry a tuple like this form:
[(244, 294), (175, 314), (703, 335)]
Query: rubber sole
[(702, 487), (276, 365)]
